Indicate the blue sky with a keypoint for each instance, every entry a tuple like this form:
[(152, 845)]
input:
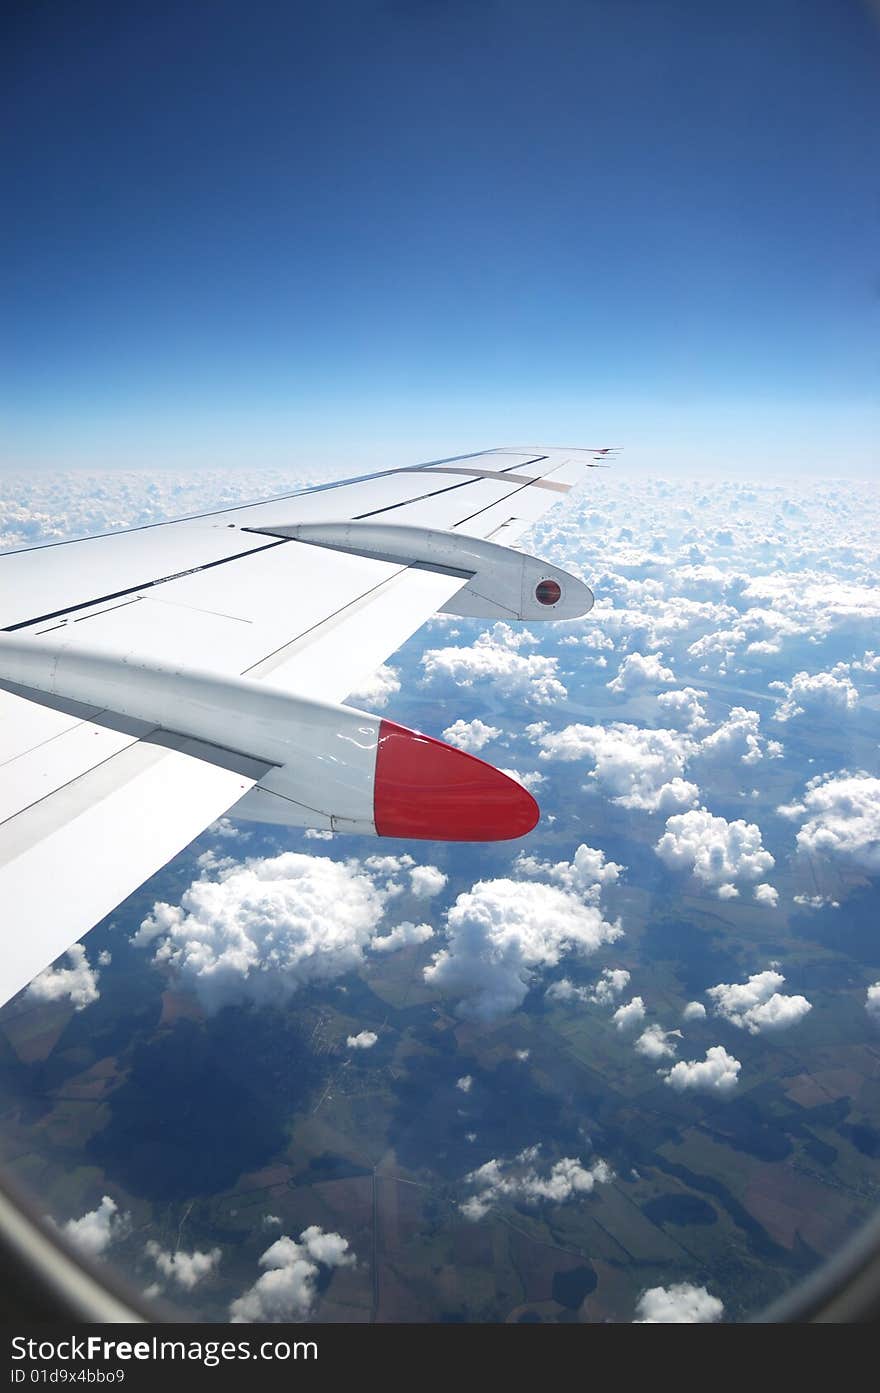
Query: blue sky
[(368, 232)]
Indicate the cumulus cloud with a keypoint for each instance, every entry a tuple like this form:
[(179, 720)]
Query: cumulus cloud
[(869, 662), (824, 693), (656, 1043), (495, 658), (738, 737), (611, 983), (715, 851), (585, 874), (531, 779), (636, 768), (377, 690), (365, 1040), (694, 1011), (758, 1005), (426, 881), (639, 670), (842, 815), (717, 1073), (682, 1304), (78, 981), (565, 990), (186, 1269), (502, 934), (97, 1229), (872, 1002), (684, 708), (767, 894), (629, 1016), (520, 1180), (471, 735), (267, 928), (816, 902), (465, 1083), (401, 936), (287, 1289)]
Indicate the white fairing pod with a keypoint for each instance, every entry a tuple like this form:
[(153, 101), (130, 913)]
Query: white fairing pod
[(320, 765), (497, 582), (324, 755)]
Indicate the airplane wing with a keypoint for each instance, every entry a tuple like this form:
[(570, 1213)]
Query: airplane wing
[(152, 679)]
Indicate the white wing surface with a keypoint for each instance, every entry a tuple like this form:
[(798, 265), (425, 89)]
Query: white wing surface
[(149, 679)]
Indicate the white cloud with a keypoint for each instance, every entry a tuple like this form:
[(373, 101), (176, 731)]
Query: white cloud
[(682, 1304), (629, 1016), (684, 707), (100, 1227), (758, 1005), (287, 1289), (565, 990), (655, 1043), (502, 933), (869, 662), (364, 1040), (636, 768), (209, 863), (465, 1083), (611, 983), (377, 690), (694, 1011), (767, 894), (816, 902), (585, 874), (494, 658), (843, 819), (737, 737), (638, 671), (823, 693), (471, 735), (267, 928), (715, 851), (186, 1269), (388, 865), (717, 1073), (78, 981), (872, 1002), (401, 936), (426, 881), (227, 831), (530, 780), (519, 1180)]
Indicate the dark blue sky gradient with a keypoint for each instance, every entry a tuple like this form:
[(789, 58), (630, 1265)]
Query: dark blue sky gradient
[(254, 233)]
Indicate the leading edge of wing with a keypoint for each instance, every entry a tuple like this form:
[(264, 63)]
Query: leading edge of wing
[(326, 487)]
